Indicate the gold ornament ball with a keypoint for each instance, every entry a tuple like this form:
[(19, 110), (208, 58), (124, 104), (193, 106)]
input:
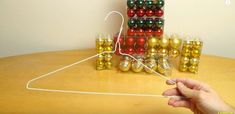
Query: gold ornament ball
[(125, 65), (184, 60), (188, 44), (99, 65), (195, 53), (174, 53), (109, 48), (108, 42), (136, 66), (194, 61), (108, 57), (151, 63), (152, 50), (183, 67), (99, 41), (193, 69), (164, 42), (197, 45), (152, 42), (100, 57), (99, 49), (108, 65), (185, 52), (175, 43), (162, 52)]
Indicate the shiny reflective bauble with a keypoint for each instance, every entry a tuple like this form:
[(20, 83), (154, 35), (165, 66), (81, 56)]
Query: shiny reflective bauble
[(99, 49), (152, 42), (164, 66), (137, 66), (108, 65), (149, 13), (131, 32), (149, 4), (149, 32), (185, 52), (149, 22), (108, 42), (193, 69), (159, 32), (159, 12), (99, 41), (125, 65), (109, 48), (131, 12), (152, 50), (140, 32), (184, 60), (140, 12), (174, 53), (130, 41), (159, 22), (162, 52), (195, 53), (164, 42), (194, 61), (140, 22), (160, 3), (140, 50), (187, 44), (108, 57), (140, 3), (121, 40), (100, 65), (197, 45), (129, 50), (131, 22), (141, 41), (175, 43), (131, 3), (183, 67), (151, 64), (100, 57)]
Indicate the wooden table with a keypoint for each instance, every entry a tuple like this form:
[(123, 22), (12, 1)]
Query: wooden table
[(219, 72)]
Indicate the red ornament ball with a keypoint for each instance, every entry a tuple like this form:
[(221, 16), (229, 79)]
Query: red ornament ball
[(121, 40), (140, 12), (159, 12), (149, 13), (117, 51), (140, 50), (149, 32), (159, 32), (131, 32), (140, 32), (141, 41), (131, 12), (130, 41), (130, 50)]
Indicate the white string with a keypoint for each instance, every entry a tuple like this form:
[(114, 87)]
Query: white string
[(117, 44)]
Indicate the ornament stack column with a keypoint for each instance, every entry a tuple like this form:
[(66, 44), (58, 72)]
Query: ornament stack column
[(104, 45)]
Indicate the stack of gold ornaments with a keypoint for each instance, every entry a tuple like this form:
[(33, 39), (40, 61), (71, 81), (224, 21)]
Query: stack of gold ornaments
[(190, 56), (175, 43), (104, 60), (126, 64)]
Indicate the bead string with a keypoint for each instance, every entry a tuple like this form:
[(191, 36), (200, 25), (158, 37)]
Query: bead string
[(86, 59)]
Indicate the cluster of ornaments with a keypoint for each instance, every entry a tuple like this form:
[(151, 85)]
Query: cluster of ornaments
[(104, 60), (145, 17), (190, 56)]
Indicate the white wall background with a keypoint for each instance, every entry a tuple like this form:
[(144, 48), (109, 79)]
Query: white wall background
[(30, 26)]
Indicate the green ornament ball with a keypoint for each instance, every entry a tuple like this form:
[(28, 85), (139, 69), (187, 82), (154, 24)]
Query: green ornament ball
[(149, 4), (140, 3), (131, 3), (131, 22), (140, 22), (159, 22), (160, 3)]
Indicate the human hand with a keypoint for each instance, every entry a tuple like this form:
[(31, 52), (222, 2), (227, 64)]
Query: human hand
[(199, 97)]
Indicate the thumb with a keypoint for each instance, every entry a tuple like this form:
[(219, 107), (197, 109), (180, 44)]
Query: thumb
[(189, 93)]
